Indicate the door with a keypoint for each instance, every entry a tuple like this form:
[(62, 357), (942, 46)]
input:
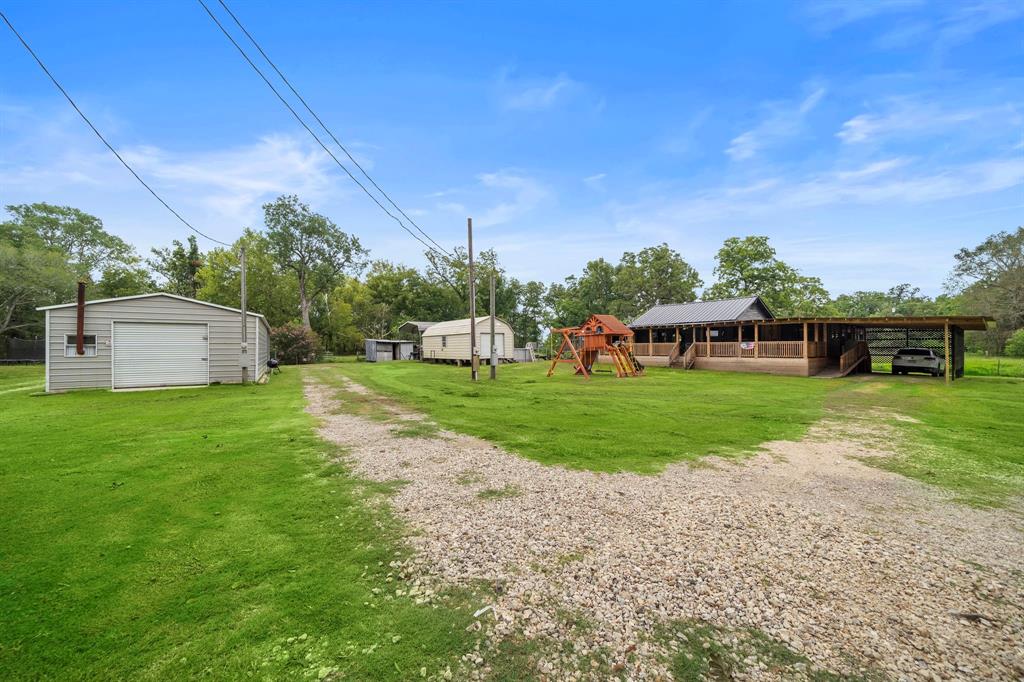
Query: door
[(160, 354), (485, 345)]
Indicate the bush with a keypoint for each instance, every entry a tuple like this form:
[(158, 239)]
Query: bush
[(293, 344), (1015, 344)]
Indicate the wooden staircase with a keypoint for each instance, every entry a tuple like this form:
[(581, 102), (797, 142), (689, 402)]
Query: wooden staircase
[(856, 359), (684, 360)]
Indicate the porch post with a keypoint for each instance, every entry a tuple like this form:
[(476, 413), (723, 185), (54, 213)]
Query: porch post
[(677, 337), (757, 345), (945, 337), (650, 341), (805, 340), (739, 341)]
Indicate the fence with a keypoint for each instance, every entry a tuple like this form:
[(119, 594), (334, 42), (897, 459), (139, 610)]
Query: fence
[(23, 351)]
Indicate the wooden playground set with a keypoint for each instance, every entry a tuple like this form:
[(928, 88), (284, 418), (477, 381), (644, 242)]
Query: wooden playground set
[(599, 335)]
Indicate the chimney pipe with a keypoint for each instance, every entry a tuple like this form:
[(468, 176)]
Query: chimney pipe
[(80, 337)]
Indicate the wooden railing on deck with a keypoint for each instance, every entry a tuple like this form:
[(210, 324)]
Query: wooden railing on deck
[(673, 354), (686, 361), (849, 359), (780, 349)]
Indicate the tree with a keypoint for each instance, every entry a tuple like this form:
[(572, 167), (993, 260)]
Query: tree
[(653, 276), (293, 344), (1015, 344), (29, 277), (179, 266), (990, 281), (124, 280), (74, 233), (270, 292), (312, 247), (748, 267)]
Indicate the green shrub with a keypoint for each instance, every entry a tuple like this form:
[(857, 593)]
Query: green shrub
[(1015, 344)]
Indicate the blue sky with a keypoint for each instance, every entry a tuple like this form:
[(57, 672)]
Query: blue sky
[(869, 140)]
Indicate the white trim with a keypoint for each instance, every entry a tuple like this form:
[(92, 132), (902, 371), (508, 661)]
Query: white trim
[(256, 362), (46, 353), (112, 373), (159, 293), (95, 344)]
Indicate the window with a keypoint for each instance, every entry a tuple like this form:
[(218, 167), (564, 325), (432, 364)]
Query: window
[(88, 343), (444, 342)]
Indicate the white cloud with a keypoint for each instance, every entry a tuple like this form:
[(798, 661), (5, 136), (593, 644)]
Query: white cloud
[(685, 141), (595, 181), (910, 118), (534, 94), (235, 182), (526, 193), (784, 120), (828, 15)]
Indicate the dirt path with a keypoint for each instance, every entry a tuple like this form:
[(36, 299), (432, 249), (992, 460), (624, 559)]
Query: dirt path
[(858, 570)]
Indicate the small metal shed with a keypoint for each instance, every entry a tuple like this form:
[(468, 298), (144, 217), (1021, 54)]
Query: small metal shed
[(384, 350)]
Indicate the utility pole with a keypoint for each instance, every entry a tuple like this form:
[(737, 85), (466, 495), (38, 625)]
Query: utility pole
[(494, 346), (474, 349), (245, 327)]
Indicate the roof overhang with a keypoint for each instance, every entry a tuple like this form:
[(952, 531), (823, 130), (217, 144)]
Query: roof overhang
[(971, 322), (153, 295)]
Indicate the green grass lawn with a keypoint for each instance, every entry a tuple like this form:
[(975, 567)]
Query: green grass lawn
[(196, 533), (969, 437), (605, 424)]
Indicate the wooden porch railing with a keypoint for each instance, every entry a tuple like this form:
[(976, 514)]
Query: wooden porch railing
[(759, 349), (686, 361), (849, 360), (780, 349), (673, 355)]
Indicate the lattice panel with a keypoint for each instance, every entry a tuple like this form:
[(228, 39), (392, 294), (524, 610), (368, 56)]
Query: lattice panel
[(885, 341)]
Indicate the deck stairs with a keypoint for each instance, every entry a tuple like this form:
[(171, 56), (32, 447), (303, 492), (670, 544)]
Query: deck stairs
[(856, 359), (682, 360)]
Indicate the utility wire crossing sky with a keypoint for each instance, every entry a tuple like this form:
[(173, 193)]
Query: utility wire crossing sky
[(869, 140)]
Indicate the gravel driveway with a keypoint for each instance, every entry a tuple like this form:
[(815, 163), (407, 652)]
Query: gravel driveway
[(859, 571)]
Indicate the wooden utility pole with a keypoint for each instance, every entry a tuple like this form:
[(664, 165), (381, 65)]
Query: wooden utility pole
[(245, 327), (474, 349), (494, 346)]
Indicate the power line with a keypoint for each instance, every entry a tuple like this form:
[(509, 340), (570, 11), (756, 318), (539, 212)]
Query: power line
[(324, 126), (100, 135), (309, 130)]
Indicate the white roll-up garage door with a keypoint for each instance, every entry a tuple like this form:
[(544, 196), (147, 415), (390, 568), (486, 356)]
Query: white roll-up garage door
[(160, 354)]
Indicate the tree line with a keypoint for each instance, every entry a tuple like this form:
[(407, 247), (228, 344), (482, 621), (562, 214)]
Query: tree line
[(313, 280)]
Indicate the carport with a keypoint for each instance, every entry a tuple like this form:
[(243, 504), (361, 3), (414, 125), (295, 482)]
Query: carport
[(884, 336)]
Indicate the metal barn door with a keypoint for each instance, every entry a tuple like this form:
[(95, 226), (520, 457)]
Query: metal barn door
[(160, 354)]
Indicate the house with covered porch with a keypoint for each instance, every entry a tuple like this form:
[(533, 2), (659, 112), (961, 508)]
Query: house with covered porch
[(742, 334)]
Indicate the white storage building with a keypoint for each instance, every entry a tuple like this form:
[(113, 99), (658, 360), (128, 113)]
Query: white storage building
[(450, 341), (151, 340)]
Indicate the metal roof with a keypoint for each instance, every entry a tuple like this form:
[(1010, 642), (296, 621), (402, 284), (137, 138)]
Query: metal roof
[(699, 312), (158, 293), (974, 322), (462, 326), (419, 325)]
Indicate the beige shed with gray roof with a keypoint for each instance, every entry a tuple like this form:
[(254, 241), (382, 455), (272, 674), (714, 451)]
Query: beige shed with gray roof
[(151, 340)]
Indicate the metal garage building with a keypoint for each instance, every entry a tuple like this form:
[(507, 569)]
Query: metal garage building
[(150, 340)]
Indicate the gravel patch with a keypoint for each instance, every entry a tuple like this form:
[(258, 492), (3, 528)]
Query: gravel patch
[(858, 570)]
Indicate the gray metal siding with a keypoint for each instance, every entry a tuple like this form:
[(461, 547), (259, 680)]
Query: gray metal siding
[(263, 353), (95, 372)]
